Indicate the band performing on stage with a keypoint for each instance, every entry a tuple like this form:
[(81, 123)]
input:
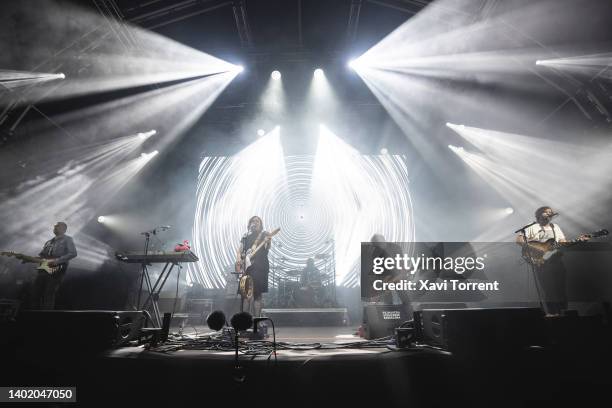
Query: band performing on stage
[(309, 287)]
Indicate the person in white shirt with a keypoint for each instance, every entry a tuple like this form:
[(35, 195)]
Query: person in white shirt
[(550, 276), (543, 230)]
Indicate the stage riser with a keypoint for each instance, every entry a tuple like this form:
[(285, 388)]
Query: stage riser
[(307, 317)]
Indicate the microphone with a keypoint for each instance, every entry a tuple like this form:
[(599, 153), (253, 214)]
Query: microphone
[(165, 227), (216, 320), (554, 215), (241, 321)]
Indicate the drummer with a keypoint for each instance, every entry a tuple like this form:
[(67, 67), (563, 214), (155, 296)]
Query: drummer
[(310, 274)]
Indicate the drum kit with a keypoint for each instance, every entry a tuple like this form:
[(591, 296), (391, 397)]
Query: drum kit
[(302, 288)]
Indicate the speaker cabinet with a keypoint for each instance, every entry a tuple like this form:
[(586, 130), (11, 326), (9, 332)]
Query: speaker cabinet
[(85, 329), (479, 330), (381, 320)]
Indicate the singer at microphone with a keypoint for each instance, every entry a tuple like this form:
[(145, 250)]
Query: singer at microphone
[(551, 275), (542, 230)]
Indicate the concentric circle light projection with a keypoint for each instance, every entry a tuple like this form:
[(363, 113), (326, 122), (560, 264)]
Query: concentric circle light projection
[(325, 206)]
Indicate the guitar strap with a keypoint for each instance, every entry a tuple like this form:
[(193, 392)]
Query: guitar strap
[(257, 241), (553, 231)]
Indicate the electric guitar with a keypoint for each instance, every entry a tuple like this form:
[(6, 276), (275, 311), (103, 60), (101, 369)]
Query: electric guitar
[(537, 253), (43, 263), (246, 281)]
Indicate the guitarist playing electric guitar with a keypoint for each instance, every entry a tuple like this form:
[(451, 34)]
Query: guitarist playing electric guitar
[(253, 265), (550, 273), (52, 264)]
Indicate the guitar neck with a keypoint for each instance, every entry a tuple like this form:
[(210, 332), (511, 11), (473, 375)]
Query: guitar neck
[(273, 233), (28, 258), (25, 258)]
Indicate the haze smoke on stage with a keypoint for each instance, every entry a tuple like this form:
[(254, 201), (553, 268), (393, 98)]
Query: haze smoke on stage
[(325, 204)]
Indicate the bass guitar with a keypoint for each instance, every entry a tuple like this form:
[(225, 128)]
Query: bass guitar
[(43, 263), (537, 253)]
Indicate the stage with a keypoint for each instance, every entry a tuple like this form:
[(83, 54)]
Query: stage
[(323, 366), (378, 203)]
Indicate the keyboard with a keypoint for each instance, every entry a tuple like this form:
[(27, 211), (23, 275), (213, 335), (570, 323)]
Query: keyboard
[(157, 257)]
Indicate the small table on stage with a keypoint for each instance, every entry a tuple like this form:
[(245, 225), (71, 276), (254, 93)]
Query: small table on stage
[(170, 259)]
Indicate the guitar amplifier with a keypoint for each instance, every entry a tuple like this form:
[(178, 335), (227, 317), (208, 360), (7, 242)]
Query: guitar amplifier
[(381, 320), (465, 331)]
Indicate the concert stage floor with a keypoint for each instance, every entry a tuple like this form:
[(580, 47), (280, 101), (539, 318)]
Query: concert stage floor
[(325, 334), (314, 376)]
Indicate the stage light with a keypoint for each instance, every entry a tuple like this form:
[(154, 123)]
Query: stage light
[(275, 75), (318, 73), (146, 135), (503, 161), (384, 151), (509, 210), (61, 75), (352, 64), (317, 200), (239, 68), (261, 132), (538, 62), (101, 219), (148, 156)]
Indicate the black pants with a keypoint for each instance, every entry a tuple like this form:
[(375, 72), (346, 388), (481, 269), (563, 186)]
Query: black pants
[(44, 290), (551, 280)]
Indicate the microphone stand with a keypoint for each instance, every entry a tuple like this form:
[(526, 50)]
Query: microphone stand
[(147, 235), (534, 269), (242, 272)]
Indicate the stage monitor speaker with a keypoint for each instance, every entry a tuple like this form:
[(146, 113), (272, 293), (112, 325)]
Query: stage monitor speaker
[(381, 320), (480, 330), (80, 329)]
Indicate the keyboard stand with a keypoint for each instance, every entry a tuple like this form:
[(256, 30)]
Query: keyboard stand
[(155, 290)]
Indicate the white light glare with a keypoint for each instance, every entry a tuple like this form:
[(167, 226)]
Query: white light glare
[(101, 219), (384, 151), (146, 135), (261, 132), (352, 64), (453, 126), (149, 156), (318, 73), (538, 62), (276, 75), (455, 148), (61, 75), (509, 210), (239, 68)]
